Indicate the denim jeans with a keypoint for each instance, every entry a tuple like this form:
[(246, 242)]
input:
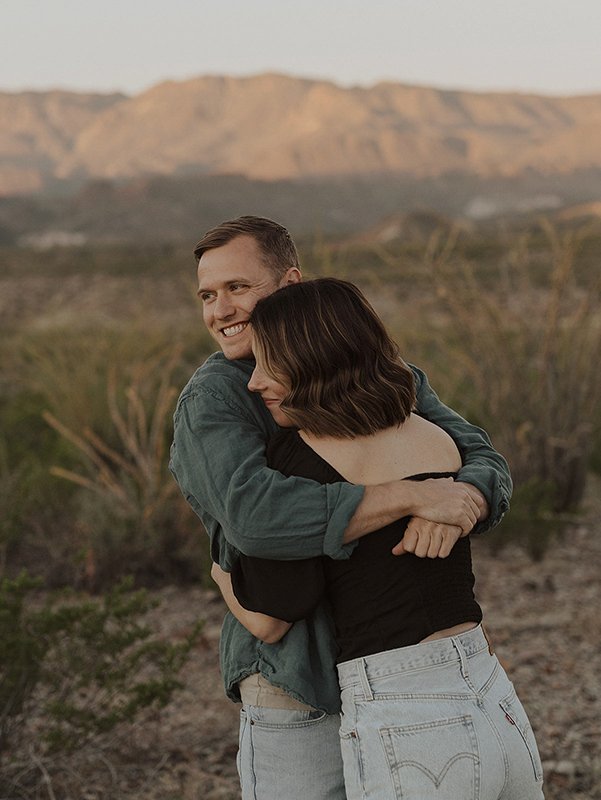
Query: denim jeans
[(289, 755), (436, 721)]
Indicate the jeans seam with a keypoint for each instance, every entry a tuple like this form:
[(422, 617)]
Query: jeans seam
[(487, 685), (499, 738)]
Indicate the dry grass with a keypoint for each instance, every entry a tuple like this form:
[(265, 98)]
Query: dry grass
[(526, 353)]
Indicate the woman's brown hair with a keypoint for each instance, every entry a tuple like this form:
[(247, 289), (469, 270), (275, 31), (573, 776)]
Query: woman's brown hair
[(325, 340)]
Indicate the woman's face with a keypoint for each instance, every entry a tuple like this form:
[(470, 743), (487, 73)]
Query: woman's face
[(271, 390)]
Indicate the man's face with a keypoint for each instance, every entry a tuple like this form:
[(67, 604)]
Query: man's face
[(231, 280)]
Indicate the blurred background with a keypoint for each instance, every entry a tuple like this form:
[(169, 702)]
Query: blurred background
[(447, 159)]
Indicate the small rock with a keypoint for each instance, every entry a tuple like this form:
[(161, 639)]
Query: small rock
[(565, 768)]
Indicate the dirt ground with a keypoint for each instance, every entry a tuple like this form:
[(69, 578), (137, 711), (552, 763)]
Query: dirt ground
[(543, 618)]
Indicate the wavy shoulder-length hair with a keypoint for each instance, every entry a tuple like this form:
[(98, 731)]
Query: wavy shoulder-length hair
[(325, 341)]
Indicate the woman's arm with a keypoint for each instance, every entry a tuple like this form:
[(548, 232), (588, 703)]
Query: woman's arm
[(267, 629)]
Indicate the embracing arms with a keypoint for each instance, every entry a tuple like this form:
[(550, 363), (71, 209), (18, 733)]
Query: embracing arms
[(264, 627), (218, 459)]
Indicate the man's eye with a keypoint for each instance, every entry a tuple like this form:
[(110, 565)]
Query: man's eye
[(206, 296), (236, 286)]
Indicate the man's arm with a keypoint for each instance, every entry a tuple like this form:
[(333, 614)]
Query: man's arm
[(440, 500), (218, 460)]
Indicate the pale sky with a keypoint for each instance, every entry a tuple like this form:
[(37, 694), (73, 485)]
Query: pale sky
[(547, 46)]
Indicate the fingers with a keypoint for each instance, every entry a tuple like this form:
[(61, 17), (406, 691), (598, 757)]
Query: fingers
[(399, 549), (436, 539), (408, 543), (450, 535), (479, 499), (426, 539), (470, 511), (446, 501)]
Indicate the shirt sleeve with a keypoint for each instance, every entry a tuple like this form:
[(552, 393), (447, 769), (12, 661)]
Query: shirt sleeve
[(218, 460), (483, 467), (288, 590)]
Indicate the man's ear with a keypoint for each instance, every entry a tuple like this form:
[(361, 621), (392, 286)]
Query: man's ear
[(293, 275)]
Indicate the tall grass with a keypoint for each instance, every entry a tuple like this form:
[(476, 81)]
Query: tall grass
[(95, 498), (510, 335), (520, 350)]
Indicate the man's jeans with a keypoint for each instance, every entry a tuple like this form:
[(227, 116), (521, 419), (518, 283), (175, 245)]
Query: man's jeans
[(289, 755), (436, 720)]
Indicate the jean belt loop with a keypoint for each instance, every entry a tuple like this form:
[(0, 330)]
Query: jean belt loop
[(361, 666), (462, 657)]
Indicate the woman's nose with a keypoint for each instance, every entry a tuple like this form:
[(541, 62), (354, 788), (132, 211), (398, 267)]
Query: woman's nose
[(254, 384)]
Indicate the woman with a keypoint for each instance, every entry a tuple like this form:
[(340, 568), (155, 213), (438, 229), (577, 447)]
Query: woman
[(427, 710)]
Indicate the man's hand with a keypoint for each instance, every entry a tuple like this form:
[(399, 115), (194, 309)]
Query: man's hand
[(448, 502), (440, 500), (480, 500), (427, 539)]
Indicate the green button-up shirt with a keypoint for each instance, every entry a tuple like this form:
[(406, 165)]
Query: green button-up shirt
[(218, 460)]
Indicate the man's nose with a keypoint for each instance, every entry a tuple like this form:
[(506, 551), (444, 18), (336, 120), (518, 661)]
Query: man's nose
[(224, 307)]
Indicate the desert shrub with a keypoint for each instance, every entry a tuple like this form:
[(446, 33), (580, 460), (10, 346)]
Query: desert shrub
[(29, 497), (69, 368), (84, 665), (520, 360), (129, 511), (113, 391)]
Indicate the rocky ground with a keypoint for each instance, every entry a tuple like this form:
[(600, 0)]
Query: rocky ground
[(542, 616)]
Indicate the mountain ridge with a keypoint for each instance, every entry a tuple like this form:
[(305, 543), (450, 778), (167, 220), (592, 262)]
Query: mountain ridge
[(273, 127)]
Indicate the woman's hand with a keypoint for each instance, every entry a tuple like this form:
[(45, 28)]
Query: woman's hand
[(427, 539)]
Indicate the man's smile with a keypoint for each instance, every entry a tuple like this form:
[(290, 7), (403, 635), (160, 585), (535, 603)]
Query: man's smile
[(233, 330)]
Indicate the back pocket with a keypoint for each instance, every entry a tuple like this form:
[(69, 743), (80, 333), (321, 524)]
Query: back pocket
[(433, 759)]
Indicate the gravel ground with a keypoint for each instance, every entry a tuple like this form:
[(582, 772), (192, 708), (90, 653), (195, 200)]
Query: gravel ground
[(543, 618)]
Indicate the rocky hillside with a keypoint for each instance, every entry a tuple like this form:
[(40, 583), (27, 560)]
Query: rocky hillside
[(277, 127)]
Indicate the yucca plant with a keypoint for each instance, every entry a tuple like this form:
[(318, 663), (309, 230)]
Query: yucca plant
[(130, 509)]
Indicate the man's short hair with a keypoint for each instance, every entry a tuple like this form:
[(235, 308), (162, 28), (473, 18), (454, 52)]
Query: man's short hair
[(275, 244)]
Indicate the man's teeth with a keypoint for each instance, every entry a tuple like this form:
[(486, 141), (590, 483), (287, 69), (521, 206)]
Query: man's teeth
[(234, 329)]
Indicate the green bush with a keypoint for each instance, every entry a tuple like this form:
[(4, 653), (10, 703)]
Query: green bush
[(86, 665)]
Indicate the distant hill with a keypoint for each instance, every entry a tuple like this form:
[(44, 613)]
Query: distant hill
[(273, 127)]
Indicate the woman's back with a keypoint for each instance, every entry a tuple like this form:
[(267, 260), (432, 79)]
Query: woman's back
[(415, 447)]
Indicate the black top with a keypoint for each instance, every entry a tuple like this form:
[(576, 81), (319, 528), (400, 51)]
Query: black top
[(379, 601)]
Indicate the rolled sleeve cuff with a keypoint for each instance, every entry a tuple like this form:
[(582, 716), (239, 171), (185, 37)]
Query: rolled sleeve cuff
[(342, 500), (496, 497)]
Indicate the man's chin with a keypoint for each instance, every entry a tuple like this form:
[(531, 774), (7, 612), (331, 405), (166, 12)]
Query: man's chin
[(235, 352)]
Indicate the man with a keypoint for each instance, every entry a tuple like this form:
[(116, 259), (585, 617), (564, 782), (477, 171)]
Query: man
[(289, 742)]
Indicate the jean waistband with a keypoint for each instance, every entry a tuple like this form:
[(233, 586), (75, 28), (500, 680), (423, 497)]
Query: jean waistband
[(424, 655), (255, 690)]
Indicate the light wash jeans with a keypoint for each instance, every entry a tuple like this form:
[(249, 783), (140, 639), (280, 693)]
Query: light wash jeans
[(436, 721), (289, 755)]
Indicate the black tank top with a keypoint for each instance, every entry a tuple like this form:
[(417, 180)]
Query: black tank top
[(378, 601)]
